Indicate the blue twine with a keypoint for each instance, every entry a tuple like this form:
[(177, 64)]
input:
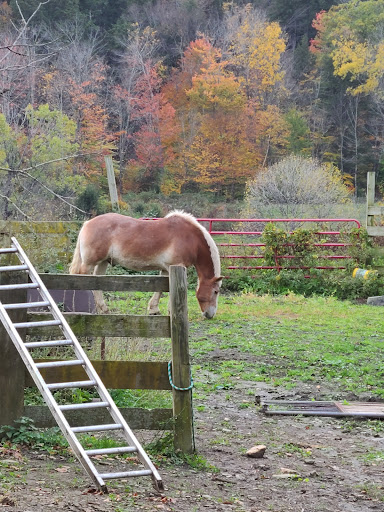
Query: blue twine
[(171, 381)]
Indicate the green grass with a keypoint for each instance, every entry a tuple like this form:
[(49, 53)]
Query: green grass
[(280, 340), (283, 340)]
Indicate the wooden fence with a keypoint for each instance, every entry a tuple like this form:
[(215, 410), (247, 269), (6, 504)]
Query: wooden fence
[(372, 210), (115, 374)]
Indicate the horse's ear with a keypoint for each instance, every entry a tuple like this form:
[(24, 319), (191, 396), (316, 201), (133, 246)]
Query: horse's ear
[(219, 278)]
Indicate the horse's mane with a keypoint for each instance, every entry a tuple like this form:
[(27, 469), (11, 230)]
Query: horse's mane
[(211, 244)]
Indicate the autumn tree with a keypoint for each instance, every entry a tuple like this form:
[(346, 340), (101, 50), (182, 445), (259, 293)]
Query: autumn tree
[(254, 49), (138, 54), (351, 36), (349, 49), (211, 109), (154, 117)]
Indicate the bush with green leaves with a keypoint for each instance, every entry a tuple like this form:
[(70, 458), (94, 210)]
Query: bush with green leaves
[(336, 283), (24, 432), (301, 248)]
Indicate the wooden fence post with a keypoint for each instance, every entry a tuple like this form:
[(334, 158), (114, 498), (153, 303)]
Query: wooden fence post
[(370, 198), (112, 183), (12, 370), (181, 369)]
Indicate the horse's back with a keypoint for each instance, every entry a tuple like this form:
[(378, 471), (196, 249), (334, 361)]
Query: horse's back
[(136, 243)]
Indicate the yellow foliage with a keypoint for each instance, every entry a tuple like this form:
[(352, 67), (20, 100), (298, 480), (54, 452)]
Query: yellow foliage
[(256, 50), (359, 61), (215, 91)]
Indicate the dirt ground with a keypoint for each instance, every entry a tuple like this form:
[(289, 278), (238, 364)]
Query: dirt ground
[(310, 464)]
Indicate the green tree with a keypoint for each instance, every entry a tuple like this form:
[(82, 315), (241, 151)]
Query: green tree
[(51, 141), (12, 142), (299, 133)]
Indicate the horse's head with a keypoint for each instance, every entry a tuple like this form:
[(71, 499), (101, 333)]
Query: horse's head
[(207, 294)]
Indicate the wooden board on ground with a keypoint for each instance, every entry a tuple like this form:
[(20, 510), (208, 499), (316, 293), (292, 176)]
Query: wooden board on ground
[(324, 408)]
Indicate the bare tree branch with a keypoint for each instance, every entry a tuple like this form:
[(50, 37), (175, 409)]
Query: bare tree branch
[(21, 32), (26, 174), (15, 206)]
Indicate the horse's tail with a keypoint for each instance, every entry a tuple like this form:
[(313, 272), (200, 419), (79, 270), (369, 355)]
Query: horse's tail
[(75, 266)]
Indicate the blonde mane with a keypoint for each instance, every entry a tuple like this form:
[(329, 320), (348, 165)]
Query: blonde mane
[(211, 244)]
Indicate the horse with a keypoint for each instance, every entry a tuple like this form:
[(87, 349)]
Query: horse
[(155, 244)]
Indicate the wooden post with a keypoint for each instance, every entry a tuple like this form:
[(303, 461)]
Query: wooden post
[(181, 369), (112, 183), (12, 370), (370, 198)]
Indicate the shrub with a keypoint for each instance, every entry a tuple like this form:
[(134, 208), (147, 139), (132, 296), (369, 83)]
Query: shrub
[(296, 187)]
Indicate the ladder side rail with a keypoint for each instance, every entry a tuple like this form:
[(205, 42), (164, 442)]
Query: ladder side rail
[(48, 397), (88, 367)]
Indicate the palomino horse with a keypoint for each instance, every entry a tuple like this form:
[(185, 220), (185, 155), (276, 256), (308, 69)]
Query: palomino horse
[(177, 239)]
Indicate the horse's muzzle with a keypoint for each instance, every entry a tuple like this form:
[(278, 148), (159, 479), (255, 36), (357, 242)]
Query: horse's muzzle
[(209, 313)]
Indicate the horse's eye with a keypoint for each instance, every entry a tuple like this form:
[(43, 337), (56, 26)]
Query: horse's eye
[(216, 292)]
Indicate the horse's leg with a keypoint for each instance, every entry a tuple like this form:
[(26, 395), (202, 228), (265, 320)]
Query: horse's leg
[(101, 306), (153, 305)]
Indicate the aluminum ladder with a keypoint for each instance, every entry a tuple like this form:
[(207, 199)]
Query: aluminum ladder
[(69, 341)]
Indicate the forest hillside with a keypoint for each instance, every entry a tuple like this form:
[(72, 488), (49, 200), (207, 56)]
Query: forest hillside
[(187, 96)]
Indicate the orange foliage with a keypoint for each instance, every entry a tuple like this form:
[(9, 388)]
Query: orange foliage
[(315, 44), (91, 118)]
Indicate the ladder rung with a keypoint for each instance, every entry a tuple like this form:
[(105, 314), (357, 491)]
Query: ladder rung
[(26, 305), (18, 286), (54, 364), (7, 250), (110, 451), (87, 405), (44, 323), (78, 384), (11, 268), (96, 428), (50, 343), (125, 474)]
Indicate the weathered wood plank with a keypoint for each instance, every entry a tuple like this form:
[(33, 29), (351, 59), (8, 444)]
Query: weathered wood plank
[(181, 369), (375, 230), (11, 364), (148, 419), (15, 227), (369, 221), (107, 283), (107, 325), (112, 183), (375, 210), (114, 374)]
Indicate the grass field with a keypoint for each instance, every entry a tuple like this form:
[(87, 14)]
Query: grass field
[(283, 340), (289, 339)]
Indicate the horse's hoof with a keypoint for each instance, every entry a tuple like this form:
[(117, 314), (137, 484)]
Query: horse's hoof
[(154, 312)]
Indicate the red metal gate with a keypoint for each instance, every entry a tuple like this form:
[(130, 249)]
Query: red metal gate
[(239, 241)]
